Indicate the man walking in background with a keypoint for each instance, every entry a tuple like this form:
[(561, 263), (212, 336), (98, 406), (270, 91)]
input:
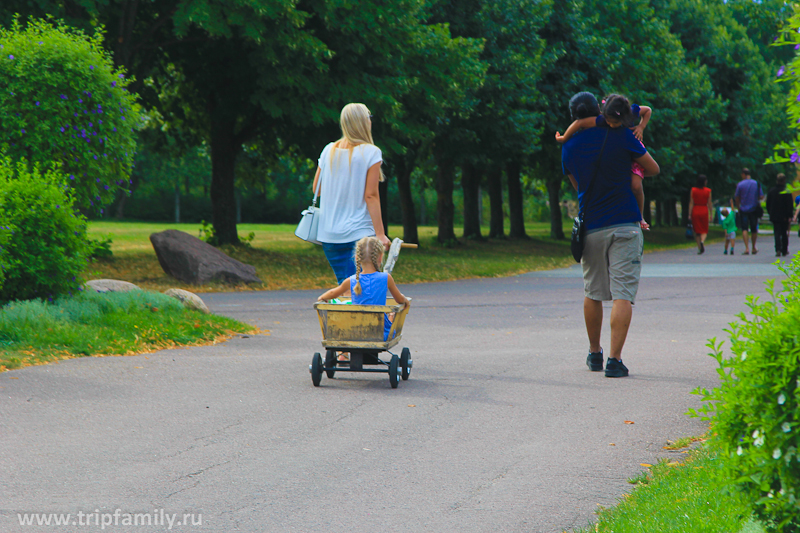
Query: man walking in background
[(779, 207), (748, 198)]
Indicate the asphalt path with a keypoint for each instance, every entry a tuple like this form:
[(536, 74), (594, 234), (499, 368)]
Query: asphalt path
[(501, 426)]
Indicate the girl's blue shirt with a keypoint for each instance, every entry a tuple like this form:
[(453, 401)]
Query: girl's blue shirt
[(374, 287)]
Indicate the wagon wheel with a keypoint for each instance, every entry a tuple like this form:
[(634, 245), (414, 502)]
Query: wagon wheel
[(316, 369), (330, 363), (406, 363), (394, 366)]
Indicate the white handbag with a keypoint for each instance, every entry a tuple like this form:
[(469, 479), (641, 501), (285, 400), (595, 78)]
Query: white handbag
[(307, 228)]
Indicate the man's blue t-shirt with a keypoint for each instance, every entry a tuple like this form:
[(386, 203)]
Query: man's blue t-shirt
[(748, 192), (613, 202)]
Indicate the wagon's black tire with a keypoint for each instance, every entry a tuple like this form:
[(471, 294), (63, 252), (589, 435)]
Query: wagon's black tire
[(316, 369), (394, 366), (405, 363), (330, 363)]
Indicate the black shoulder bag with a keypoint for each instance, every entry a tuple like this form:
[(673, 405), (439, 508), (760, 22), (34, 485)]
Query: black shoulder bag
[(578, 224)]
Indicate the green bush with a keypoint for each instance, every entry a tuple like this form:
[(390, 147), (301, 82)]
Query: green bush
[(754, 411), (62, 100), (46, 248)]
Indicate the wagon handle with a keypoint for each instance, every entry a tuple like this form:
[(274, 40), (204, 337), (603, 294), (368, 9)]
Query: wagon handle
[(409, 245)]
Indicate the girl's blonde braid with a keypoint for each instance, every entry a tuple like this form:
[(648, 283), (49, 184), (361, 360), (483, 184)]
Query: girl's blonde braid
[(359, 258), (376, 250)]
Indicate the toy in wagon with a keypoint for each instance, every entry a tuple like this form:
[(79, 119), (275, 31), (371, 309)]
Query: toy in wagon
[(356, 331)]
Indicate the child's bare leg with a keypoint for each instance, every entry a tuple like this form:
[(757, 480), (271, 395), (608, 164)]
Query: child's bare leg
[(638, 191)]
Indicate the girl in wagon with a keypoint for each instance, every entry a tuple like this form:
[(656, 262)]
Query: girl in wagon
[(369, 285)]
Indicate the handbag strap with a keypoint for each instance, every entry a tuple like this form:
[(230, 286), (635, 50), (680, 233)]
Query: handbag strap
[(319, 182), (594, 175)]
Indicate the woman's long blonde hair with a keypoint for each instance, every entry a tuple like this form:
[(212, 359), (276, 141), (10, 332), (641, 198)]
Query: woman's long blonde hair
[(367, 249), (355, 124)]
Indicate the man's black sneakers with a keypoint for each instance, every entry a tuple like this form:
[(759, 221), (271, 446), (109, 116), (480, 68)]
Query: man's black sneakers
[(595, 361), (615, 369)]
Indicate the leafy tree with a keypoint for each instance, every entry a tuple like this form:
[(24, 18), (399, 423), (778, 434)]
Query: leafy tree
[(230, 72), (684, 135), (578, 56), (61, 100), (502, 123), (442, 74), (740, 76)]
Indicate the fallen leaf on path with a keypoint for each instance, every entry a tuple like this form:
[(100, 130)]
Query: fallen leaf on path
[(138, 367), (629, 422), (646, 465), (13, 378), (611, 444), (411, 405)]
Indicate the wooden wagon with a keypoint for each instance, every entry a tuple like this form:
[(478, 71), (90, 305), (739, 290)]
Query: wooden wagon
[(359, 331)]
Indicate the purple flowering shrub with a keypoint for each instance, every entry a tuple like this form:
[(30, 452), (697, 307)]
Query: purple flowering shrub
[(62, 100), (789, 151), (45, 249)]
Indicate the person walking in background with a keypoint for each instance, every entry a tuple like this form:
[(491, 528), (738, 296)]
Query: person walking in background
[(748, 198), (612, 256), (728, 223), (349, 171), (701, 209), (779, 207)]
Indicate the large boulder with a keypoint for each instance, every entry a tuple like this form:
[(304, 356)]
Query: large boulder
[(191, 260), (189, 299), (110, 285)]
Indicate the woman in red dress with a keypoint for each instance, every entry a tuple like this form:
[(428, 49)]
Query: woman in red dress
[(700, 209)]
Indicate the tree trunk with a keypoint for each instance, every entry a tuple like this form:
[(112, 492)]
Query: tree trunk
[(516, 209), (177, 204), (470, 183), (383, 193), (223, 165), (124, 195), (553, 194), (685, 209), (423, 208), (659, 214), (444, 199), (404, 170), (673, 212), (480, 205), (495, 178), (238, 197)]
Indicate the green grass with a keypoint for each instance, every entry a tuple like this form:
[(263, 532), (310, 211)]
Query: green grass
[(36, 332), (283, 261), (678, 497)]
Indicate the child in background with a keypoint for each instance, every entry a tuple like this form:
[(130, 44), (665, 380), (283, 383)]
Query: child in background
[(618, 111), (369, 285), (729, 227)]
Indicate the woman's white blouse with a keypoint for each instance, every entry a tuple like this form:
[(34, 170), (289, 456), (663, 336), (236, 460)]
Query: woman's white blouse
[(343, 211)]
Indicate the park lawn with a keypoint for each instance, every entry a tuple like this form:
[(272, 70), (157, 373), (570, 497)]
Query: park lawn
[(678, 496), (37, 332), (283, 261)]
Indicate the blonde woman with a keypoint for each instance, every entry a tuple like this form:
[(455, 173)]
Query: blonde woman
[(349, 171)]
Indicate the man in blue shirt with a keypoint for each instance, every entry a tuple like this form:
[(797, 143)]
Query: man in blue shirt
[(612, 256), (748, 198)]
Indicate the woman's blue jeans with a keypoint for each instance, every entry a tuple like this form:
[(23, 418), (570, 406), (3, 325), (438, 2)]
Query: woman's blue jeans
[(342, 259)]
